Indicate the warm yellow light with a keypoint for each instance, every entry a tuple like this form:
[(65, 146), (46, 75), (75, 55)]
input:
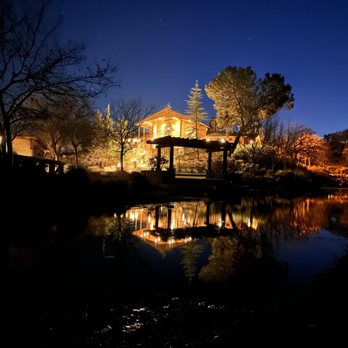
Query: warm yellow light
[(176, 128)]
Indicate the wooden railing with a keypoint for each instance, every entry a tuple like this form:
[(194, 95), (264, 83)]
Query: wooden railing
[(40, 165)]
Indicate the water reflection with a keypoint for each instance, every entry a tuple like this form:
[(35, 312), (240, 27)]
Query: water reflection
[(112, 232), (190, 253), (90, 268), (233, 236), (203, 240)]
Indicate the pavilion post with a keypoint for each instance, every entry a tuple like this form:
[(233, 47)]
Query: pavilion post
[(169, 218), (207, 213), (157, 213), (171, 159), (209, 164), (224, 164), (223, 214), (158, 163)]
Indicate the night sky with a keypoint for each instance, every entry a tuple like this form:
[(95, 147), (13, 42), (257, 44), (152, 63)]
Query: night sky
[(162, 47)]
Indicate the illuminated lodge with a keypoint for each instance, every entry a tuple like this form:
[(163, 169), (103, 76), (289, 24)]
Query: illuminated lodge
[(168, 122), (185, 145), (26, 145)]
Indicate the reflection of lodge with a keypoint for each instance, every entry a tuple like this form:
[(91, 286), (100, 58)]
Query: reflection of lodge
[(171, 225)]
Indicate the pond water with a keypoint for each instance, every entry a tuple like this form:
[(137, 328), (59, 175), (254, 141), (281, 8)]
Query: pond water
[(80, 273), (208, 241)]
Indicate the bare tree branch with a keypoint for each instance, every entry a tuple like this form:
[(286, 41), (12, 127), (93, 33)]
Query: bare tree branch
[(35, 65)]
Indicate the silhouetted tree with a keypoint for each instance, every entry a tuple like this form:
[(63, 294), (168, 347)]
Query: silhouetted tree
[(51, 131), (36, 67), (126, 116), (68, 128), (78, 128)]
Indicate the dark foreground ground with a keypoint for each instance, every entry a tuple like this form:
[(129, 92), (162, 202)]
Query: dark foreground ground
[(247, 313)]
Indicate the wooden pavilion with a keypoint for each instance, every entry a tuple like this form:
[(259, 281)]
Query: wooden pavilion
[(209, 145)]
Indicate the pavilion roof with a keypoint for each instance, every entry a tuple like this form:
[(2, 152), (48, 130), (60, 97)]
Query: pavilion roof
[(213, 145)]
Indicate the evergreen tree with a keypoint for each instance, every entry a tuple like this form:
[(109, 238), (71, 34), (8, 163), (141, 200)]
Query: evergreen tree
[(98, 136), (109, 122), (243, 101), (195, 109)]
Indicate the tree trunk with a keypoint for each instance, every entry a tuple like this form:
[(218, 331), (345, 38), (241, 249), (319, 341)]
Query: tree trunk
[(9, 152), (235, 143), (121, 158), (76, 157), (56, 151)]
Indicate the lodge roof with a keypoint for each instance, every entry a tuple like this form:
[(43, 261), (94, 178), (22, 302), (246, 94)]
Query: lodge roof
[(167, 112)]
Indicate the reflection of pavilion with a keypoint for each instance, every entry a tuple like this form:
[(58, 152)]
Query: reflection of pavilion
[(156, 240), (171, 225)]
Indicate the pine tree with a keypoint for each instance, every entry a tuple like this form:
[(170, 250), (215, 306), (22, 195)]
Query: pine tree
[(195, 109), (109, 122), (98, 128)]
